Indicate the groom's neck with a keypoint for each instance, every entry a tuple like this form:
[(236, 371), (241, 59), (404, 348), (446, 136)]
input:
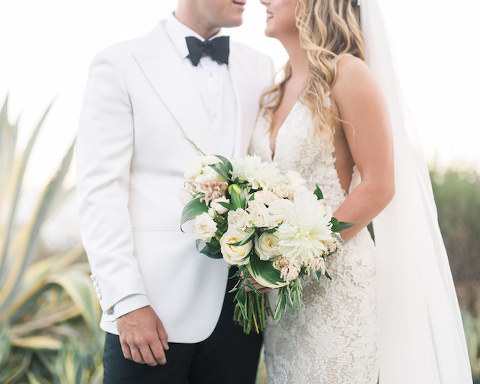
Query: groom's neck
[(194, 21)]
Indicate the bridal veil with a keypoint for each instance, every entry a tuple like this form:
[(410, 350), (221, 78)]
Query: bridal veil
[(421, 337)]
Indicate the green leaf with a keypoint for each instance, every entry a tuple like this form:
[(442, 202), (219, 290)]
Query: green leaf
[(271, 230), (194, 208), (243, 198), (229, 206), (214, 244), (265, 269), (250, 285), (318, 192), (245, 240), (208, 250), (235, 198), (334, 221), (226, 163), (221, 170), (344, 225)]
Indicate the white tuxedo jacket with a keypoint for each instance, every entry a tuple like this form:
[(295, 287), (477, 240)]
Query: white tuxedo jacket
[(131, 156)]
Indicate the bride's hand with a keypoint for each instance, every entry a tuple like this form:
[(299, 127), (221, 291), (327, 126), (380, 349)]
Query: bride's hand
[(259, 287)]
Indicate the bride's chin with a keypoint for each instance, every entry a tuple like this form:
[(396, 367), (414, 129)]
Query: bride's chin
[(269, 32)]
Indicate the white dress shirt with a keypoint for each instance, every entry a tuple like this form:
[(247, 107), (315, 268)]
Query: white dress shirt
[(214, 85)]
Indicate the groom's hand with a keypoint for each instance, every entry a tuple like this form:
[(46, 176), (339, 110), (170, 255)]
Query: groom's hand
[(142, 337)]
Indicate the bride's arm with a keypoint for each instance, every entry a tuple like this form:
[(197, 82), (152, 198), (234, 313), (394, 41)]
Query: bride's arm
[(366, 126)]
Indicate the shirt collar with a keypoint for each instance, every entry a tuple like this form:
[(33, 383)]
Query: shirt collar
[(177, 33)]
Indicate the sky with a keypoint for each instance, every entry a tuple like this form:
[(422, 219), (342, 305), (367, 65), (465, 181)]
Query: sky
[(46, 47)]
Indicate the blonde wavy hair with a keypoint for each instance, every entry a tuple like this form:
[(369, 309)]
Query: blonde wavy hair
[(328, 29)]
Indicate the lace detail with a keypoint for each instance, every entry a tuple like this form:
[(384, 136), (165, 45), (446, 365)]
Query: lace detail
[(333, 339)]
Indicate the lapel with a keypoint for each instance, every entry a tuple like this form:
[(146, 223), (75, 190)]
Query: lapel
[(241, 82), (166, 72)]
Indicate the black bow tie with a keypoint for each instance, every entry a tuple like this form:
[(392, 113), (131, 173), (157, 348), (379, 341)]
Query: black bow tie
[(218, 49)]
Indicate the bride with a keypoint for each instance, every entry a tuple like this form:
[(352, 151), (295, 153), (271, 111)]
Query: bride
[(390, 310)]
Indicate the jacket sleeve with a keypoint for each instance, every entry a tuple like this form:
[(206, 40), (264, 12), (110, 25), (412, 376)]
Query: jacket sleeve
[(104, 154)]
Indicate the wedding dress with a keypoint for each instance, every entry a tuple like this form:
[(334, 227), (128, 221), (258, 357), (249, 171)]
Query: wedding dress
[(333, 338), (416, 316)]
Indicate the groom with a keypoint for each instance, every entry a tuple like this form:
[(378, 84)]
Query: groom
[(165, 311)]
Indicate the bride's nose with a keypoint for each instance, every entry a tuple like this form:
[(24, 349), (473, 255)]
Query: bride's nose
[(265, 2)]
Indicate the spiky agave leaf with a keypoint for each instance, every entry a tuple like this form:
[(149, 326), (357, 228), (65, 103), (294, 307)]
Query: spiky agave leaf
[(37, 342), (8, 142), (33, 282), (13, 188), (78, 286), (20, 253)]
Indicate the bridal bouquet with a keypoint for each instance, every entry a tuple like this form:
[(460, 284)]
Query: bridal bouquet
[(266, 223)]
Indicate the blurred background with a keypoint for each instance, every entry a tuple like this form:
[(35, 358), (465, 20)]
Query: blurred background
[(48, 312)]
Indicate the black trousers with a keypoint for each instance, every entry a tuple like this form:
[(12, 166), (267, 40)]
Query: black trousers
[(228, 356)]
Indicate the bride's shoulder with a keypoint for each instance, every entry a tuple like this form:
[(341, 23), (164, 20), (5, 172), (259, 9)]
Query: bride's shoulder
[(354, 79), (351, 67)]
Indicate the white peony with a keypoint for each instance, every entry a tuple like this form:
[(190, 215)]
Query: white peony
[(277, 211), (235, 255), (218, 207), (259, 174), (266, 246), (204, 227), (265, 197), (306, 228), (281, 190), (196, 167), (238, 218), (208, 174)]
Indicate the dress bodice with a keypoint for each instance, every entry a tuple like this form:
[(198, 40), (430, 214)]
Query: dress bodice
[(298, 147)]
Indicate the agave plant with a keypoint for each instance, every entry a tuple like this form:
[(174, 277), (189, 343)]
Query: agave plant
[(49, 313)]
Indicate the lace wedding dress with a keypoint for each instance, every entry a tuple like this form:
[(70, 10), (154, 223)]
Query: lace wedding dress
[(333, 338)]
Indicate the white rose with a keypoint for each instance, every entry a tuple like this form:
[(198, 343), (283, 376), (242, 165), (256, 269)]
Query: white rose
[(258, 216), (204, 227), (184, 196), (266, 246), (218, 207), (265, 197), (235, 255), (238, 218), (281, 190)]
